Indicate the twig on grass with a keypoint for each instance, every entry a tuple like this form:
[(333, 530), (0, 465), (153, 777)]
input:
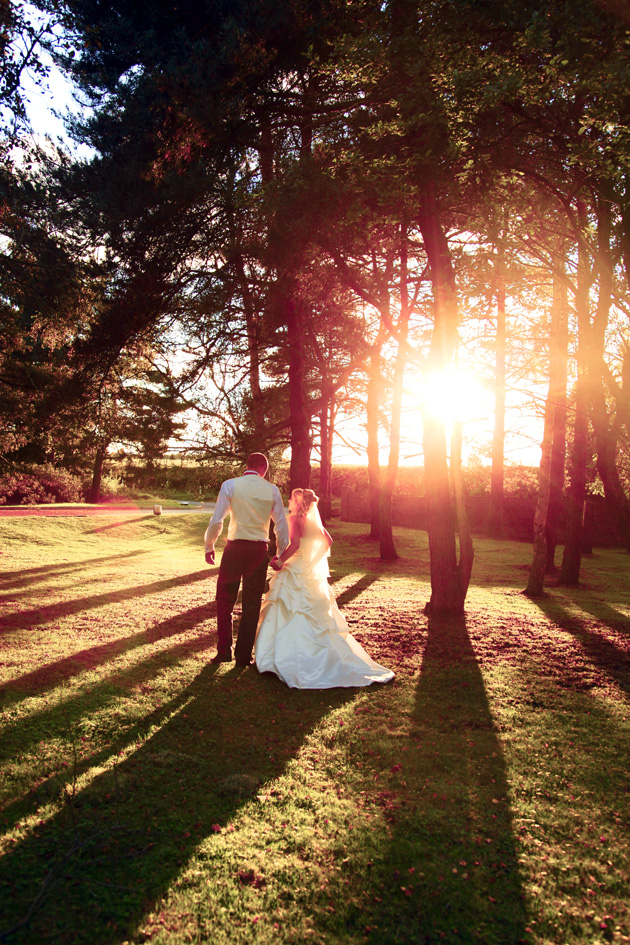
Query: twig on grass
[(54, 875), (98, 882)]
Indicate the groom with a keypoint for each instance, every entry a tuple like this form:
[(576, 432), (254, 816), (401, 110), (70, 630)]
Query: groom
[(252, 503)]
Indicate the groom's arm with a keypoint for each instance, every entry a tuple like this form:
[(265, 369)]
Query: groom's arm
[(279, 519), (215, 526)]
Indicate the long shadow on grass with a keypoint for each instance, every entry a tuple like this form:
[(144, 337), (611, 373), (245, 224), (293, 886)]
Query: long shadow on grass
[(26, 577), (67, 713), (25, 619), (602, 611), (604, 653), (41, 680), (450, 857), (120, 524), (116, 847), (47, 677), (356, 589)]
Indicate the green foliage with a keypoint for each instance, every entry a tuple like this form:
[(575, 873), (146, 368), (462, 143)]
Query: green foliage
[(171, 477), (39, 485), (112, 487), (193, 480)]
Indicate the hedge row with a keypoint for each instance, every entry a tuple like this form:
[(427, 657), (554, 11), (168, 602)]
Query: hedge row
[(44, 485), (203, 481)]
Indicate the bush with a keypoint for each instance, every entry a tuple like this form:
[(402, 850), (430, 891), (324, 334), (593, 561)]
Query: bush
[(39, 485), (112, 487), (172, 479)]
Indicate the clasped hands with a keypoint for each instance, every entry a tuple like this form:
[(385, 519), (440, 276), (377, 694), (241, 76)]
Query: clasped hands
[(276, 563)]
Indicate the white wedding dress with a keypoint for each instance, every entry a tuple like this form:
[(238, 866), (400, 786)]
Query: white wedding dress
[(302, 635)]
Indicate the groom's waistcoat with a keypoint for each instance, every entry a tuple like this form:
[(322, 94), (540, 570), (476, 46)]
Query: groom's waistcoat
[(251, 506)]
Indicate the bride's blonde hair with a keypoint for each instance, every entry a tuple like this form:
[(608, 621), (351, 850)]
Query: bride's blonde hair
[(304, 499)]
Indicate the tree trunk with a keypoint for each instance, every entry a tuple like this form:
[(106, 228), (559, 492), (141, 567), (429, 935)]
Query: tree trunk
[(466, 550), (558, 378), (497, 474), (616, 499), (386, 535), (445, 580), (536, 580), (374, 394), (605, 438), (572, 557), (588, 527), (331, 433), (448, 585), (327, 421), (299, 413), (97, 475), (253, 349)]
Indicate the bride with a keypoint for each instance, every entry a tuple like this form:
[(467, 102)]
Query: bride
[(302, 635)]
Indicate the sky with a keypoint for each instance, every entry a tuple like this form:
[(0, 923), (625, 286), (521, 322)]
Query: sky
[(47, 104), (461, 395)]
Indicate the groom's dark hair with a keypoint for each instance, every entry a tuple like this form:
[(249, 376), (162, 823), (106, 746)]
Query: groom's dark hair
[(258, 462)]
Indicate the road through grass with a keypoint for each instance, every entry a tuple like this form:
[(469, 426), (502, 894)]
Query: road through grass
[(149, 796)]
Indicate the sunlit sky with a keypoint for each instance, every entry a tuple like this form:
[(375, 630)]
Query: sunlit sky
[(461, 395), (49, 102)]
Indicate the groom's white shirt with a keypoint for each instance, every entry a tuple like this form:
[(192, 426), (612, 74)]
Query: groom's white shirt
[(251, 502)]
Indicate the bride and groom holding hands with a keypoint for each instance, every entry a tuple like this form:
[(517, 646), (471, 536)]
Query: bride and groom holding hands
[(297, 631)]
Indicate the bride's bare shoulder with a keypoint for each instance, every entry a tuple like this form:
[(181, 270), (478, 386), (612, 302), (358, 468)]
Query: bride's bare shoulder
[(296, 525)]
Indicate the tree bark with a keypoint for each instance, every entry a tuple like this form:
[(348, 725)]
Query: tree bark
[(536, 580), (605, 438), (497, 474), (466, 550), (448, 585), (299, 414), (374, 394), (386, 534), (253, 349), (97, 474), (616, 498), (326, 420), (551, 463), (572, 556), (558, 376)]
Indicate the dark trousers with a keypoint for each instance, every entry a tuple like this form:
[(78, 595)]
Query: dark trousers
[(244, 561)]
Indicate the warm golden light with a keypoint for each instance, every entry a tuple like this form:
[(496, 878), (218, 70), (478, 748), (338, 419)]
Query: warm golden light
[(453, 394)]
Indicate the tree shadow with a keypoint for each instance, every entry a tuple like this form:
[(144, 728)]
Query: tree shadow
[(115, 848), (600, 609), (91, 699), (28, 576), (356, 589), (452, 709), (25, 619), (447, 840), (124, 521), (608, 656), (52, 674)]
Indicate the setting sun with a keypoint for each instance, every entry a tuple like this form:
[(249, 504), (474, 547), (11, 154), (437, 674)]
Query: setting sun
[(453, 394)]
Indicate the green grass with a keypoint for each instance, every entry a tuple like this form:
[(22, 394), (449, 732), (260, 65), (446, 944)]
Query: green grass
[(149, 796)]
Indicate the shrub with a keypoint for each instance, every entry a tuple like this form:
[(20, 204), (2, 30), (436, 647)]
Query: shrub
[(39, 485), (112, 487)]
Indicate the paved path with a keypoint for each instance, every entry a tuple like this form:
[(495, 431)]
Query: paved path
[(82, 511)]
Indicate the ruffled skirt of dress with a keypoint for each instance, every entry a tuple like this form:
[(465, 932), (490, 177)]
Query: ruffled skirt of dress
[(304, 639)]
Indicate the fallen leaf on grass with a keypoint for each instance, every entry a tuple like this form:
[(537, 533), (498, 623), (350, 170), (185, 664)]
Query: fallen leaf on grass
[(251, 878)]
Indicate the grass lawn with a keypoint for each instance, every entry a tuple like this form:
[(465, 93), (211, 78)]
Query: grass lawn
[(483, 796)]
